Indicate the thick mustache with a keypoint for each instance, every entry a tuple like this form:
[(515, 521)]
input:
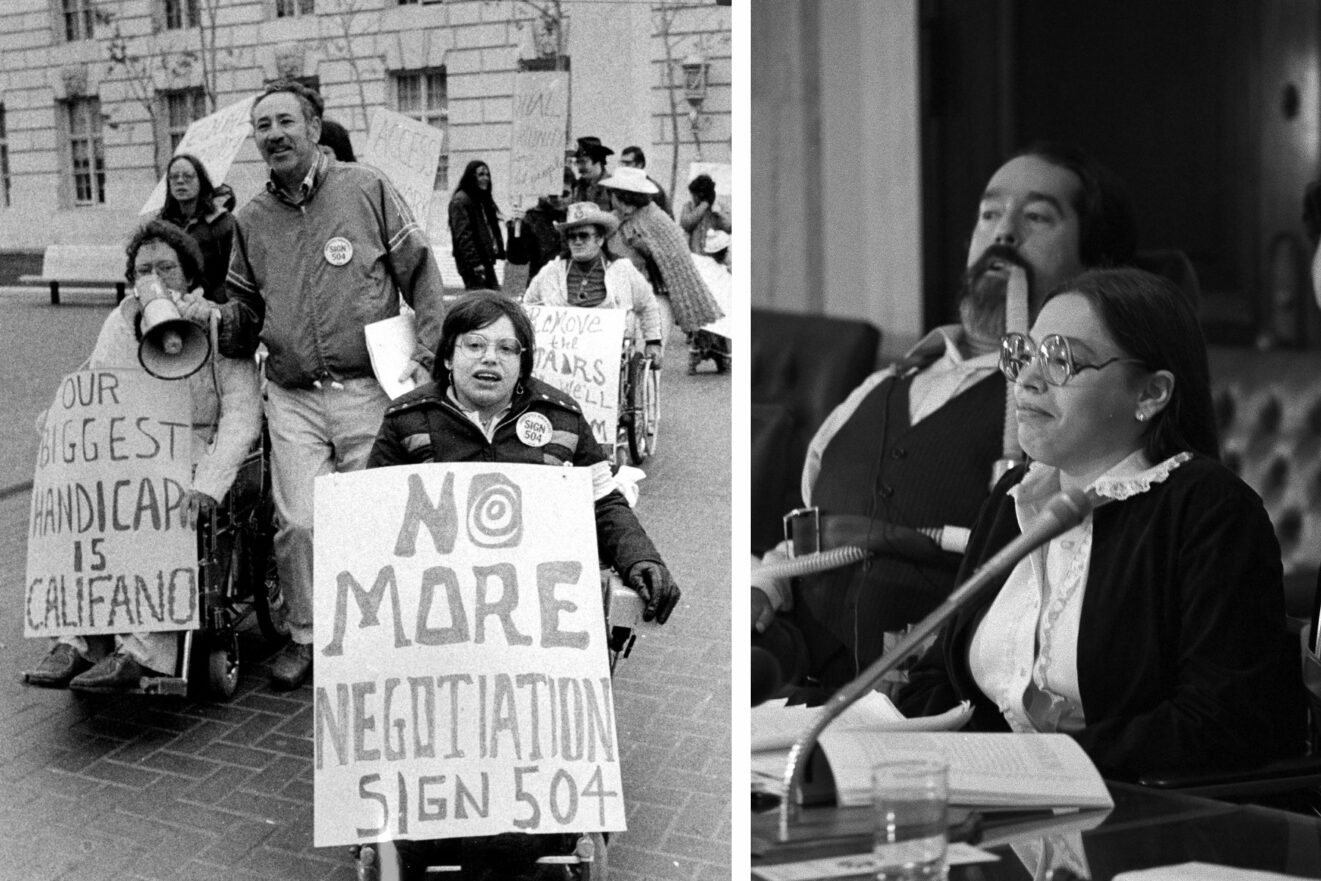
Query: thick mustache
[(997, 253)]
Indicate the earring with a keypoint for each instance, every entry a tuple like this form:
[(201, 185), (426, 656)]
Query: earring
[(1142, 417), (518, 387)]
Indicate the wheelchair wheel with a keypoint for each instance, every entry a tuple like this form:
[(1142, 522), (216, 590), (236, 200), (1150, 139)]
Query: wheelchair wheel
[(644, 408), (263, 578), (223, 671)]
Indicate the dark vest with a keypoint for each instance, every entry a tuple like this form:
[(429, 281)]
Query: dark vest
[(936, 473)]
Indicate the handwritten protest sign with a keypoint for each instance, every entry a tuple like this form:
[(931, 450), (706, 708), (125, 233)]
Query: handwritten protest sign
[(462, 681), (408, 151), (108, 551), (215, 140), (578, 353), (540, 117)]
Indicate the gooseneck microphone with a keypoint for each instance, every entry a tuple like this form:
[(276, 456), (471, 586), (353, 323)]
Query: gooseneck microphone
[(1064, 511)]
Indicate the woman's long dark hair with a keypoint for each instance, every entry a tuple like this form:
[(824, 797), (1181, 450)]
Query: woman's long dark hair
[(1150, 319), (205, 190), (484, 198)]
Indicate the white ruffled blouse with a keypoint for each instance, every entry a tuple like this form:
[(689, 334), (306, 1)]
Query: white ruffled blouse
[(1023, 654)]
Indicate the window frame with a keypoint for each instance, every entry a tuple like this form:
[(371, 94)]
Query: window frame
[(77, 20), (6, 181), (170, 132), (84, 109), (292, 9), (188, 14)]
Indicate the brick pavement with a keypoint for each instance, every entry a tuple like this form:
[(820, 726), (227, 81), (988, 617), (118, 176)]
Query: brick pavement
[(165, 789)]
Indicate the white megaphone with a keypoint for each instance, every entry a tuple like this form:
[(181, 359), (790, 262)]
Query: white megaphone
[(172, 347)]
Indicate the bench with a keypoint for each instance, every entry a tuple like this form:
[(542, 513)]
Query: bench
[(81, 264)]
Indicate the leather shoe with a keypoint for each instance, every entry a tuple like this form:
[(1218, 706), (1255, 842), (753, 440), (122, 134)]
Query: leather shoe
[(292, 666), (57, 668), (112, 673)]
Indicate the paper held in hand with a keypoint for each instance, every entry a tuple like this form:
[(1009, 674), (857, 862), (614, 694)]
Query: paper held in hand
[(390, 345)]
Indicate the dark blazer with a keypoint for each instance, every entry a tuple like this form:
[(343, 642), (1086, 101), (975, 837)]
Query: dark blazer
[(1183, 656)]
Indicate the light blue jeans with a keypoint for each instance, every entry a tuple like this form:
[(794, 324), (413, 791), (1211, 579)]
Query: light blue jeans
[(313, 432)]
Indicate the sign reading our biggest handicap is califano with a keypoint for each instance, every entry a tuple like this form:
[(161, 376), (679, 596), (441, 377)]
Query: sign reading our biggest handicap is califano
[(578, 353), (109, 550), (462, 685)]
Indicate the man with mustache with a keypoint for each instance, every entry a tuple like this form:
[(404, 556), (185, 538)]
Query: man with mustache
[(326, 249), (918, 444)]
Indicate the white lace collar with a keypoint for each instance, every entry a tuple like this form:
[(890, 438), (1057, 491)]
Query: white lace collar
[(1130, 477)]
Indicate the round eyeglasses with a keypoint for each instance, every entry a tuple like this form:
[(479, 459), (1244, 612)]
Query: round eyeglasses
[(474, 345), (1058, 365)]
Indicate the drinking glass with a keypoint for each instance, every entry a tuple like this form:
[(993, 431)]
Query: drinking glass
[(910, 799)]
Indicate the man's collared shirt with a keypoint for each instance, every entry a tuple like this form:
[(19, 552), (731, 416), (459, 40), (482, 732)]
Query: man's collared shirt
[(305, 188)]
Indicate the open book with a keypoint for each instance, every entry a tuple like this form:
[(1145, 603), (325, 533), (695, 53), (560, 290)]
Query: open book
[(987, 771)]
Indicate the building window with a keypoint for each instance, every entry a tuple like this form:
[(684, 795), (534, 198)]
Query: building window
[(424, 96), (181, 110), (180, 14), (86, 151), (78, 15), (4, 160), (294, 8)]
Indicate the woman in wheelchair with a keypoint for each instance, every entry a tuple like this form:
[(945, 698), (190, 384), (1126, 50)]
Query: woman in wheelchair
[(590, 278), (484, 405), (1154, 631), (226, 411)]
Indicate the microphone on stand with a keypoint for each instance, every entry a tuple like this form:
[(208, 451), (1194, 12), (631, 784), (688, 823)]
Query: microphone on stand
[(1064, 511)]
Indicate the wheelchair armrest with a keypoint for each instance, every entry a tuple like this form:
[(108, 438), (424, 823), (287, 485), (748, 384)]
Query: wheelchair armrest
[(1281, 775)]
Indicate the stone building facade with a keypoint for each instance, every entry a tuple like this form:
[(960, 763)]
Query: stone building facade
[(95, 93)]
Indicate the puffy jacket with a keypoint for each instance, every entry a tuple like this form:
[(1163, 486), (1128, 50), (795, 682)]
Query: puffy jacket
[(425, 426)]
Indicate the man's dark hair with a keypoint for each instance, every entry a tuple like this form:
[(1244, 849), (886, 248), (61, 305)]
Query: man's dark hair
[(473, 312), (336, 137), (1150, 319), (205, 190), (628, 197), (1107, 228), (640, 157), (313, 106), (190, 256)]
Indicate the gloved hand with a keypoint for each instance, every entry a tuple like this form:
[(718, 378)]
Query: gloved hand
[(657, 354), (653, 583)]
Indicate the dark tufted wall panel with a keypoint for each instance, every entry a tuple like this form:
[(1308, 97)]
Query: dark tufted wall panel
[(802, 366), (1268, 407)]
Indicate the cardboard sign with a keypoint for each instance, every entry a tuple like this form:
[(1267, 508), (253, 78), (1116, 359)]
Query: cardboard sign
[(462, 685), (578, 353), (215, 140), (408, 152), (108, 551), (540, 124)]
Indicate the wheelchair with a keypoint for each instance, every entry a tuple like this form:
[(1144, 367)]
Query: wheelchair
[(237, 582), (513, 856), (639, 404)]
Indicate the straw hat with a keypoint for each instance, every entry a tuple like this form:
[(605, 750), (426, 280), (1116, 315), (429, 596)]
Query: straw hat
[(588, 214), (631, 180), (717, 240)]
